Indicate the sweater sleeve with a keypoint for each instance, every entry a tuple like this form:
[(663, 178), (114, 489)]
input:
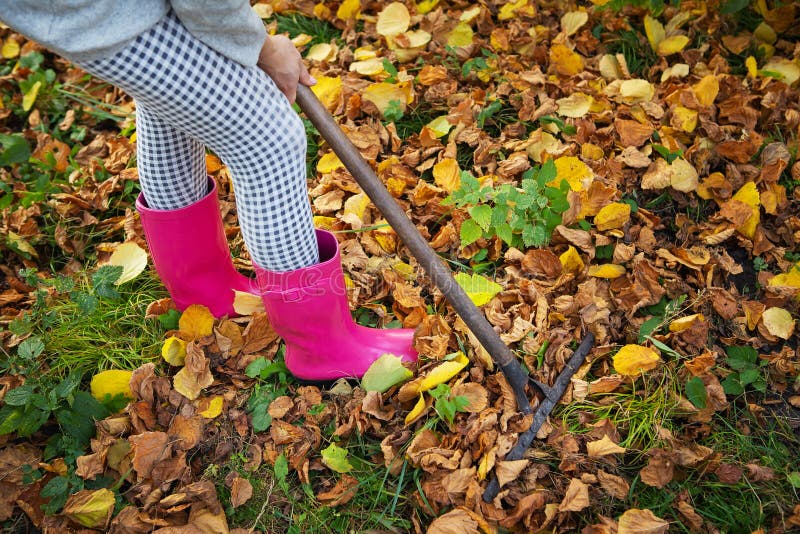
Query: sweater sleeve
[(230, 27)]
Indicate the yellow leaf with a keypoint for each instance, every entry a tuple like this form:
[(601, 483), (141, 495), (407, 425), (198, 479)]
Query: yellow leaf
[(571, 261), (447, 174), (328, 89), (112, 383), (91, 509), (329, 163), (778, 322), (416, 411), (672, 45), (683, 176), (613, 215), (788, 70), (461, 35), (592, 151), (479, 289), (414, 43), (245, 303), (383, 94), (632, 360), (609, 67), (572, 21), (364, 52), (765, 33), (444, 372), (356, 205), (575, 105), (682, 323), (196, 322), (752, 66), (132, 258), (174, 351), (371, 66), (214, 407), (607, 270), (685, 118), (393, 19), (30, 97), (426, 6), (440, 126), (706, 90), (603, 447), (654, 30), (636, 90), (326, 223), (301, 40), (565, 61), (749, 195), (185, 382), (264, 11), (349, 9), (321, 52), (509, 9), (577, 174), (788, 279), (10, 49)]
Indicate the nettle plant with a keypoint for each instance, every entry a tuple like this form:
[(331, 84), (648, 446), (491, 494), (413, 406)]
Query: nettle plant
[(522, 217)]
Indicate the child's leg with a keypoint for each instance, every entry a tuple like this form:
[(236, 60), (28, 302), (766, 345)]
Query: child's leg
[(241, 115), (172, 165)]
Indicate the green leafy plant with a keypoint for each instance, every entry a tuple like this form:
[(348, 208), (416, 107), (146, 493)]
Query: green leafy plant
[(521, 216), (274, 376), (394, 111), (447, 404), (748, 371)]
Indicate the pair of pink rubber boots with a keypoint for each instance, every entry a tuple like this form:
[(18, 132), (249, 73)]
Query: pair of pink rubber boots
[(307, 307)]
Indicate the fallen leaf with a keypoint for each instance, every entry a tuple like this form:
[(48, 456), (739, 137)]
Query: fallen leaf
[(196, 322), (174, 351), (109, 384), (635, 521), (384, 373), (335, 458), (576, 498), (779, 322), (91, 509), (479, 289), (603, 447), (241, 491), (633, 360), (132, 258)]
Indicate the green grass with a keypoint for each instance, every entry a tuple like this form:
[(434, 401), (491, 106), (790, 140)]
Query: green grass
[(638, 54), (381, 501), (115, 336), (295, 24), (637, 414)]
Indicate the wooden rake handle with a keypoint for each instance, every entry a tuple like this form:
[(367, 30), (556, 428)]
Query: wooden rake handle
[(434, 266)]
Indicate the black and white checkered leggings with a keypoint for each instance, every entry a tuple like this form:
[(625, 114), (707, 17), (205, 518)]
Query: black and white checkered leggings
[(189, 97)]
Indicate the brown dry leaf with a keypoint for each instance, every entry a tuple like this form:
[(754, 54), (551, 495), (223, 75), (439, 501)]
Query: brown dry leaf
[(195, 375), (149, 448), (456, 521), (258, 334), (635, 521), (507, 471), (603, 447), (659, 471), (241, 491), (576, 498), (615, 486), (342, 492)]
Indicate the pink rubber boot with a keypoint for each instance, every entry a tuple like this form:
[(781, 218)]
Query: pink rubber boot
[(308, 308), (191, 254)]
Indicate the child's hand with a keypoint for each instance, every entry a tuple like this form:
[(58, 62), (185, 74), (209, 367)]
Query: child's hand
[(284, 64)]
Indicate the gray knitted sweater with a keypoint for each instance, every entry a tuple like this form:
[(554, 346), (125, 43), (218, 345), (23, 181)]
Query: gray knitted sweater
[(85, 30)]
